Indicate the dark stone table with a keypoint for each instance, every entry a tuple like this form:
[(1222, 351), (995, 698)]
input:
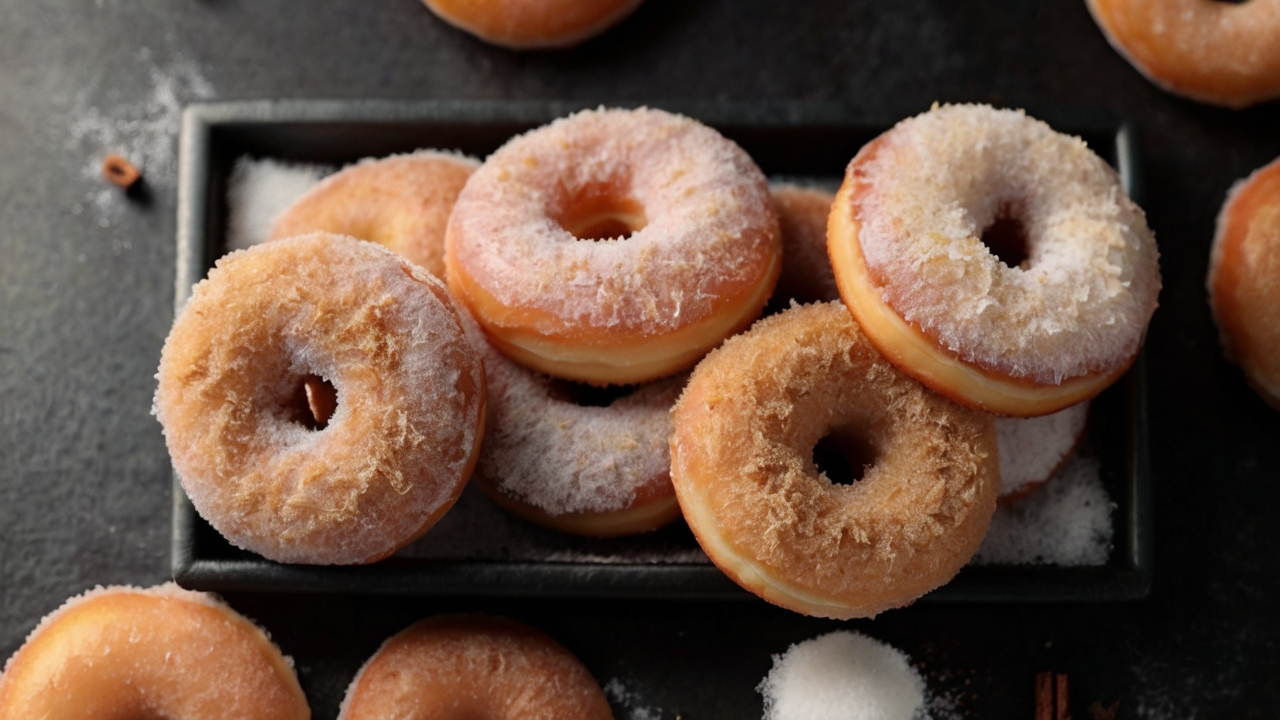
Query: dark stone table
[(86, 284)]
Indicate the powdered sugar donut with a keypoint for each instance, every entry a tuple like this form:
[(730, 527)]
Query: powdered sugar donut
[(1033, 449), (906, 242), (124, 652), (409, 389), (472, 666), (1225, 53), (401, 202), (533, 24), (700, 261)]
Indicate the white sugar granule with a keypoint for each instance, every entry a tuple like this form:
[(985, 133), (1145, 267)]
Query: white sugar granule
[(619, 694), (1032, 448), (842, 676), (1066, 522), (258, 191)]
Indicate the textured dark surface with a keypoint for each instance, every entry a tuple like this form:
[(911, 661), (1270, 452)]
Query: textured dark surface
[(86, 280)]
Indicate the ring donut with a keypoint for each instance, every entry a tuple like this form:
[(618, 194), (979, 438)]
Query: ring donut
[(533, 24), (806, 268), (906, 240), (123, 652), (538, 245), (476, 667), (744, 472), (232, 398)]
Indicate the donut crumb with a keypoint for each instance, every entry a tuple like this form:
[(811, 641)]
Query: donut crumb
[(120, 171)]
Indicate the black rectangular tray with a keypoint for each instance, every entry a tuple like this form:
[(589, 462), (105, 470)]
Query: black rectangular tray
[(477, 550)]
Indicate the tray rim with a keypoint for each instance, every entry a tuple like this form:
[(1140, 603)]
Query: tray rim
[(596, 580)]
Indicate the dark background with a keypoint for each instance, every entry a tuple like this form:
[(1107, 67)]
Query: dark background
[(86, 288)]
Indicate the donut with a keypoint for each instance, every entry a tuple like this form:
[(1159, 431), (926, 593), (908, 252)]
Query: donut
[(359, 322), (806, 269), (401, 202), (1050, 317), (124, 652), (475, 667), (742, 462), (614, 246), (1244, 280), (1032, 450), (1223, 53), (533, 24)]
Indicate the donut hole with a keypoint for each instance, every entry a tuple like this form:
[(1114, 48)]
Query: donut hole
[(584, 395), (314, 402), (844, 456), (1006, 238), (603, 216)]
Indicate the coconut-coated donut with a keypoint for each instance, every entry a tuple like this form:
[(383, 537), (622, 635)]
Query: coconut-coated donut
[(401, 202), (402, 440), (475, 667), (906, 242), (806, 269), (1244, 279), (743, 468), (701, 259), (533, 24), (1220, 52), (123, 652), (1032, 450)]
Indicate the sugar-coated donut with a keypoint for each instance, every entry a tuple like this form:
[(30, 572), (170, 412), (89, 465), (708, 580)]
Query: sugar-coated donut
[(806, 268), (1215, 51), (1244, 279), (123, 652), (593, 470), (906, 242), (1032, 450), (474, 667), (232, 398), (401, 202), (533, 24), (701, 260), (743, 468)]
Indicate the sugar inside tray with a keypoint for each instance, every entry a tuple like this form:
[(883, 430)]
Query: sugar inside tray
[(477, 548)]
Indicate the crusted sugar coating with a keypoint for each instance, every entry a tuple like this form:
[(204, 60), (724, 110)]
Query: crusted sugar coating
[(742, 465), (1215, 52), (1033, 449), (1078, 305), (401, 444), (710, 229), (806, 268), (142, 652), (473, 666), (402, 202)]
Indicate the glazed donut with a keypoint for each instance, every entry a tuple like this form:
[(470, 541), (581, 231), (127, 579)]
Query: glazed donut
[(806, 269), (600, 470), (906, 240), (379, 333), (1224, 53), (743, 468), (475, 667), (533, 24), (1244, 280), (1032, 450), (123, 652), (401, 202), (701, 260)]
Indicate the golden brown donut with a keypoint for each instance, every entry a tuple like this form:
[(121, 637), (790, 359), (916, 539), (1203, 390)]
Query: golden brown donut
[(906, 239), (1215, 51), (401, 202), (533, 24), (232, 397), (123, 652), (1244, 280), (538, 245), (742, 464), (806, 268), (474, 667)]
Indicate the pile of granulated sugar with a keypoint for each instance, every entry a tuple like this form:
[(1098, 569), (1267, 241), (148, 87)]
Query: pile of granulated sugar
[(842, 676), (258, 191), (1065, 522)]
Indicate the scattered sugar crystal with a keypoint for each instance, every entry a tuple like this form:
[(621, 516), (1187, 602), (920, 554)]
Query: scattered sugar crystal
[(1065, 522), (258, 191), (842, 676), (619, 694)]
